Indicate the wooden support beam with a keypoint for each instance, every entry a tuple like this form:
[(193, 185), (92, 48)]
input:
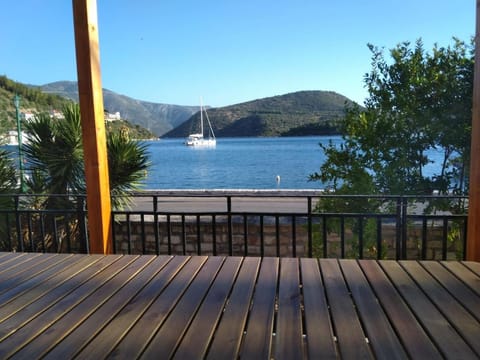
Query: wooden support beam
[(473, 231), (93, 126)]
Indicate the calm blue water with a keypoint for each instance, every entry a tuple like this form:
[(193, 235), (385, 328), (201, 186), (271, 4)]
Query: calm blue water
[(236, 163), (239, 163)]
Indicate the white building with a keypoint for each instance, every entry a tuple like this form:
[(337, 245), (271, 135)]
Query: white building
[(11, 138), (112, 117)]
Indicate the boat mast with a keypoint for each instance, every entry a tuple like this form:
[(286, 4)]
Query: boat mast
[(201, 116)]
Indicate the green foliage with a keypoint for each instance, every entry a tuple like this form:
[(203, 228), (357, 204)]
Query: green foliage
[(8, 176), (37, 101), (417, 102), (32, 95), (454, 238), (8, 186), (351, 228), (55, 153), (329, 127), (128, 164), (135, 131), (31, 98), (56, 161)]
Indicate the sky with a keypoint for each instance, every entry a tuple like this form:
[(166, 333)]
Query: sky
[(224, 51)]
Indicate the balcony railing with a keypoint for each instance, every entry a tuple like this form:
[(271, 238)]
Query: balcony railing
[(247, 223)]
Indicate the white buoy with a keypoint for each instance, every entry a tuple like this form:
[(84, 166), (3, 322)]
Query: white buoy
[(277, 179)]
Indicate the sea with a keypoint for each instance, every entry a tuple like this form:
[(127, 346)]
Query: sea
[(242, 163)]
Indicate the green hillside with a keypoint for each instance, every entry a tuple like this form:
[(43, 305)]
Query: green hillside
[(32, 99), (294, 114)]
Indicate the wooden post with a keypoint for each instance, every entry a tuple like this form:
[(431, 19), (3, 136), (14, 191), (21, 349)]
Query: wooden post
[(93, 126), (473, 231)]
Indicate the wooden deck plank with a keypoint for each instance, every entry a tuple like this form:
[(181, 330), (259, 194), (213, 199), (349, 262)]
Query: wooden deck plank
[(11, 260), (382, 337), (20, 318), (134, 342), (350, 335), (18, 263), (114, 306), (36, 291), (105, 341), (173, 329), (465, 273), (456, 287), (258, 338), (16, 338), (465, 324), (75, 316), (75, 338), (438, 328), (27, 269), (289, 339), (42, 279), (228, 336), (318, 324), (195, 343), (474, 266), (411, 333), (5, 255)]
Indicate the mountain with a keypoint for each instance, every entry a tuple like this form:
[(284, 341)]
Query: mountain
[(293, 114), (298, 113), (32, 99), (158, 118)]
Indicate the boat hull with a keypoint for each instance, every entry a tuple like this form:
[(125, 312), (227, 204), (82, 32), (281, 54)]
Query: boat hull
[(201, 142)]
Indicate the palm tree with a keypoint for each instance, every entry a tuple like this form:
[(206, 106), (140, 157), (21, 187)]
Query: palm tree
[(127, 165), (8, 186), (54, 156), (8, 176)]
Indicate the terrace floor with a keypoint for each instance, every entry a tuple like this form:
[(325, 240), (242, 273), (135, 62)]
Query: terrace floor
[(125, 306)]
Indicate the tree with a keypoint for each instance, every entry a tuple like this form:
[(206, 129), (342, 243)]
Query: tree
[(128, 164), (54, 153), (8, 175), (417, 102), (54, 157), (8, 186)]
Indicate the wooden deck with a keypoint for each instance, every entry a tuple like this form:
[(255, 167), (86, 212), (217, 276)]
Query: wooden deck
[(91, 306)]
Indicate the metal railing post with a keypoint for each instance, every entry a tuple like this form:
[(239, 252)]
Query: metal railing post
[(379, 238), (230, 227), (82, 221), (155, 227), (18, 223), (310, 227), (404, 227), (398, 232), (360, 237)]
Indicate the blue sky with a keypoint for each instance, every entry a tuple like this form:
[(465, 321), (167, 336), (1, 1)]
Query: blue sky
[(176, 51)]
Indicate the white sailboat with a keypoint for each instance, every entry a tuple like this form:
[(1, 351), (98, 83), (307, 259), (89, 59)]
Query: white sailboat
[(198, 139)]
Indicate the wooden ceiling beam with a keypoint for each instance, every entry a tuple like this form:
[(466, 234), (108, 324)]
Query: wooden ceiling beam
[(473, 230), (93, 126)]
